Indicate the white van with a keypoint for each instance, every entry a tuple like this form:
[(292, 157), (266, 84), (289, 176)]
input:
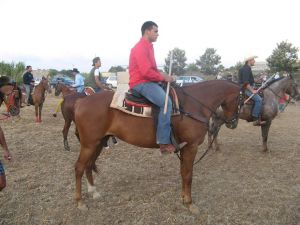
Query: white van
[(112, 82)]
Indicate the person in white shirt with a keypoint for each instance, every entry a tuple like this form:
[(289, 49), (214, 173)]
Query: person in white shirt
[(79, 80)]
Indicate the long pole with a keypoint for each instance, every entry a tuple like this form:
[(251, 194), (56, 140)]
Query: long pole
[(168, 85), (262, 86)]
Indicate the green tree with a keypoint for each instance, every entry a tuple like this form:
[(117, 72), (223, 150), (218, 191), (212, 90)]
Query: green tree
[(283, 58), (179, 62), (12, 70), (115, 69), (192, 68), (52, 72), (209, 62)]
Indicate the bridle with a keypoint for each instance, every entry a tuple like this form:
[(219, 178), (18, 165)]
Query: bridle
[(229, 122), (10, 101)]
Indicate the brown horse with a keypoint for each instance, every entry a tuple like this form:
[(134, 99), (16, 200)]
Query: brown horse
[(38, 98), (95, 120), (61, 88), (11, 95), (272, 93), (67, 109)]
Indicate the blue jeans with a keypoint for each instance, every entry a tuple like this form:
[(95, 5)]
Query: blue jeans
[(155, 94), (97, 89), (256, 111)]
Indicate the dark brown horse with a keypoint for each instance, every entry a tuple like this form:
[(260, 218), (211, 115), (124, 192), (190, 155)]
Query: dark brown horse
[(38, 98), (67, 108), (272, 93), (95, 120)]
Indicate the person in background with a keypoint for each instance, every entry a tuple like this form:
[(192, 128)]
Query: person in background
[(28, 82), (79, 80), (6, 156), (246, 81), (283, 102), (95, 76), (95, 83)]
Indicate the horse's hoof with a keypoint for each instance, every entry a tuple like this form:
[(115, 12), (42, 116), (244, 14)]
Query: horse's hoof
[(194, 209), (54, 115), (81, 206), (96, 195)]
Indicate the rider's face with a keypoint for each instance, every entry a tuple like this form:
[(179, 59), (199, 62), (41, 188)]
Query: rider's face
[(152, 34)]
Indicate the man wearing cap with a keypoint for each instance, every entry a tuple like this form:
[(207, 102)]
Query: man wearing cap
[(144, 78), (95, 76), (246, 80), (79, 80)]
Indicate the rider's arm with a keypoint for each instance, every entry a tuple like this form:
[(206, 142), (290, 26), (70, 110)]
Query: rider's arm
[(6, 153), (98, 82), (143, 62)]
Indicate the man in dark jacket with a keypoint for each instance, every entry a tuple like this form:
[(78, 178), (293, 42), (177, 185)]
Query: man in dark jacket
[(28, 81), (246, 80)]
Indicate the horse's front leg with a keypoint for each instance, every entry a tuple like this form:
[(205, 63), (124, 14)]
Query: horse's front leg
[(40, 112), (65, 132), (36, 108), (264, 133), (188, 154)]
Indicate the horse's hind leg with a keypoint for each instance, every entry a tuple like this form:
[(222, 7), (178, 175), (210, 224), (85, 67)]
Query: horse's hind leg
[(65, 133), (186, 168), (91, 166), (86, 155)]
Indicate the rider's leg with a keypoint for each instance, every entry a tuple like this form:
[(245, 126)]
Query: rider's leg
[(256, 111), (155, 94)]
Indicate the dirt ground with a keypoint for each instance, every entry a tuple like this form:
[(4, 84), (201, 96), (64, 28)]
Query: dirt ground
[(238, 185)]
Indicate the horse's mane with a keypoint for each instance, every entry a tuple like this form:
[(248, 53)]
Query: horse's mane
[(273, 81), (4, 80)]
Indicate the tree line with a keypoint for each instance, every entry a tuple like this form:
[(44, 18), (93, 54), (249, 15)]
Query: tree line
[(284, 58)]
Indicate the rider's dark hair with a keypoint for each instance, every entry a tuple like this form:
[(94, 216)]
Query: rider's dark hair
[(148, 25), (27, 67)]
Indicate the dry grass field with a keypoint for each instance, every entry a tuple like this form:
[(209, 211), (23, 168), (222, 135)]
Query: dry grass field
[(238, 185)]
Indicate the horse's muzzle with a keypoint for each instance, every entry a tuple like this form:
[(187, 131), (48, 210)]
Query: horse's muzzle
[(13, 110), (232, 124)]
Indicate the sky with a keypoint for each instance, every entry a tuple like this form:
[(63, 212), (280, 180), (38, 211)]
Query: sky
[(63, 34)]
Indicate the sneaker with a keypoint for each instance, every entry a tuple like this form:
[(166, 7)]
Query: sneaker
[(106, 146), (166, 148), (114, 140)]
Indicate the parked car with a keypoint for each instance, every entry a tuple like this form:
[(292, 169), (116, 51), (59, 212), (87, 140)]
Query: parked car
[(112, 82), (187, 80), (64, 79)]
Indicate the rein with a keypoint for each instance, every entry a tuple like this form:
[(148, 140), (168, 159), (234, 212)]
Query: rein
[(239, 102)]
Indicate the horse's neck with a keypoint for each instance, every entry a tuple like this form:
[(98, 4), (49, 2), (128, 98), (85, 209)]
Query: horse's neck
[(65, 91), (278, 88)]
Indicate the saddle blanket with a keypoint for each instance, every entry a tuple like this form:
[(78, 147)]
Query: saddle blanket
[(119, 102)]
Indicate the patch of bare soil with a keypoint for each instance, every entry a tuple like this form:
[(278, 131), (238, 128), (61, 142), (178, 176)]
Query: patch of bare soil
[(238, 185)]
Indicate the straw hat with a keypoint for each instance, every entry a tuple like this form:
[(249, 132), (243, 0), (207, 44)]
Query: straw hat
[(249, 57)]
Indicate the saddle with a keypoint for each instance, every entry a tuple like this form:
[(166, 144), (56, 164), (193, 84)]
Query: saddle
[(134, 103)]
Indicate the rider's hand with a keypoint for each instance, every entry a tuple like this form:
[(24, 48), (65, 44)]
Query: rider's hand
[(168, 78), (254, 91)]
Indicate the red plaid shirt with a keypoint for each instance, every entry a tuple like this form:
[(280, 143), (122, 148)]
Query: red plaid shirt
[(142, 65)]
